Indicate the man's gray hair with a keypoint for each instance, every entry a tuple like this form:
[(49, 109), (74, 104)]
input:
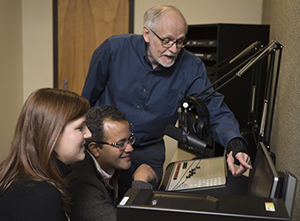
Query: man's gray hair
[(153, 14)]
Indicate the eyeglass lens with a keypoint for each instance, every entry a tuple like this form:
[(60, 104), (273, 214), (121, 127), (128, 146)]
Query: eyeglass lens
[(169, 44), (130, 141)]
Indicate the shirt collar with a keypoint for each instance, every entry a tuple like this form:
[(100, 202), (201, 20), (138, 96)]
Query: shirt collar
[(143, 47), (105, 175), (64, 169)]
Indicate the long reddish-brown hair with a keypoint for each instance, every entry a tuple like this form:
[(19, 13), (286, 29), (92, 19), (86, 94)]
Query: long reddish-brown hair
[(42, 119)]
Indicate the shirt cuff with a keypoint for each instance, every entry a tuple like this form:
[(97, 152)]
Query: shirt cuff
[(136, 184)]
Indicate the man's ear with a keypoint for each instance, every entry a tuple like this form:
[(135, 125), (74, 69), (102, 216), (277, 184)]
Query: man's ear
[(146, 34), (94, 149)]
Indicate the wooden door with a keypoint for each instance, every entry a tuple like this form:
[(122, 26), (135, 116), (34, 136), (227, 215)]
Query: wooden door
[(82, 25)]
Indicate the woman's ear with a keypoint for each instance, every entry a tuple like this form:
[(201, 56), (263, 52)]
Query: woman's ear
[(94, 149)]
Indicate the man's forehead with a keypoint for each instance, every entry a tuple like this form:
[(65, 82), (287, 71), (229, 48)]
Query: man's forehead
[(115, 127), (171, 24)]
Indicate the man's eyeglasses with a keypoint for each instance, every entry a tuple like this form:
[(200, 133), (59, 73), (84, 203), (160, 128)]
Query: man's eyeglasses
[(121, 144), (167, 43)]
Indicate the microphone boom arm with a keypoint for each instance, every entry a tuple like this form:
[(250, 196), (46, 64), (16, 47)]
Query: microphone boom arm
[(184, 108), (273, 45)]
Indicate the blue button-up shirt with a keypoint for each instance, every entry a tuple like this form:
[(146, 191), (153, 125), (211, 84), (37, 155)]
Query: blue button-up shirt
[(122, 76)]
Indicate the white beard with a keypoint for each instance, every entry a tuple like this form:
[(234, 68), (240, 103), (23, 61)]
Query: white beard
[(167, 64)]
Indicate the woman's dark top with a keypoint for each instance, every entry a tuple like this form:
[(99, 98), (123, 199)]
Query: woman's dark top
[(32, 200)]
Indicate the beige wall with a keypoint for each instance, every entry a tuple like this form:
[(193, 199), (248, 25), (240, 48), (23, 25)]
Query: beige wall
[(26, 58), (283, 16), (37, 33), (206, 11), (11, 73)]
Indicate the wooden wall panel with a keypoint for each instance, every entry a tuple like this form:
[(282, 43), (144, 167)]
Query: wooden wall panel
[(82, 25)]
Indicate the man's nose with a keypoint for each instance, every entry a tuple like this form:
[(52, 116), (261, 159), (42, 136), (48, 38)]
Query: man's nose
[(173, 48)]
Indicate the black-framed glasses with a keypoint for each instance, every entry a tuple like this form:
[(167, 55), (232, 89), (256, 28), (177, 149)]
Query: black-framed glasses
[(167, 43), (122, 144)]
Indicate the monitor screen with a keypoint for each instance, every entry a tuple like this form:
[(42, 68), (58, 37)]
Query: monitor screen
[(264, 179)]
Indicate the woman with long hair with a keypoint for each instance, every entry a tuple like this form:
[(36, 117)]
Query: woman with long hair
[(49, 135)]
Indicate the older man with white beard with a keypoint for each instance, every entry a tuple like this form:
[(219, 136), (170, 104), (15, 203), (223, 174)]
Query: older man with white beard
[(144, 76)]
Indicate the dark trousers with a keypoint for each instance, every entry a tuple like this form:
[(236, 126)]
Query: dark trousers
[(153, 155)]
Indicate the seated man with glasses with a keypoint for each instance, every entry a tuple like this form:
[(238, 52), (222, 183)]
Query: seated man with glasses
[(93, 181)]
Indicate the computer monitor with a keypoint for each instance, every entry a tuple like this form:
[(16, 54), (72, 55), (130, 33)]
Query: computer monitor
[(264, 179), (288, 191)]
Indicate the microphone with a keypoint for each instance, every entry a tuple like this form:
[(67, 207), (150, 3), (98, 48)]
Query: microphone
[(185, 138)]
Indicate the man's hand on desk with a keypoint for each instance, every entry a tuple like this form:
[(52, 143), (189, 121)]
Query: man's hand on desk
[(244, 160), (238, 155), (145, 173)]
